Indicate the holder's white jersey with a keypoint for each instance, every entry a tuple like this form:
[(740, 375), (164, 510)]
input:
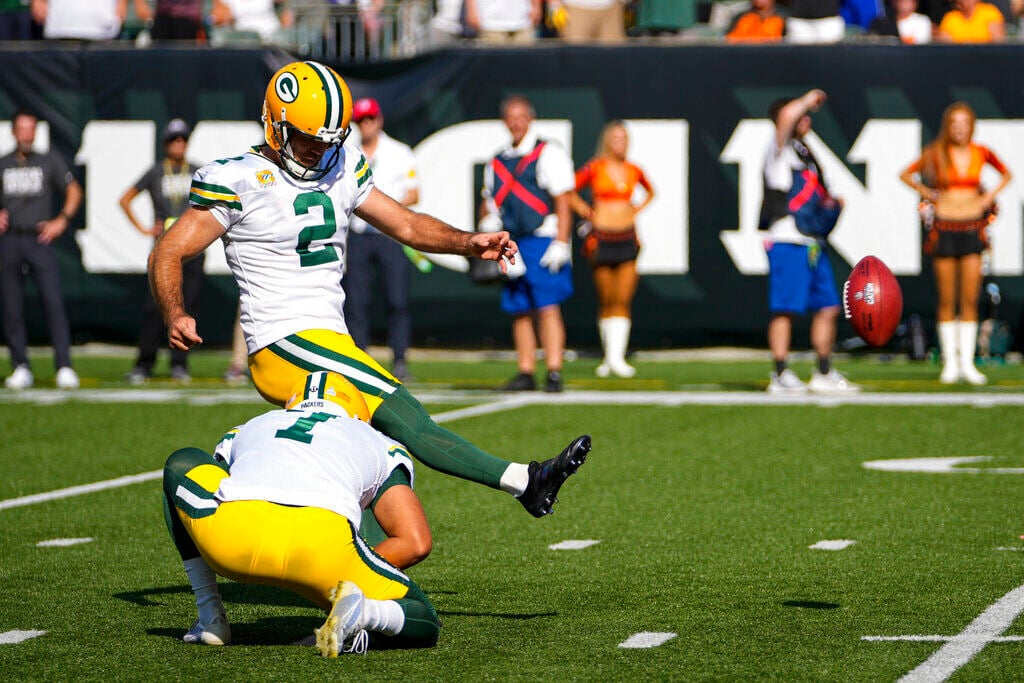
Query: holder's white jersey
[(309, 458), (284, 239)]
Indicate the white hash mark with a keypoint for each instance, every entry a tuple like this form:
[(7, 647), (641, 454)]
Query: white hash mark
[(15, 637), (840, 544), (62, 542), (646, 639), (573, 545)]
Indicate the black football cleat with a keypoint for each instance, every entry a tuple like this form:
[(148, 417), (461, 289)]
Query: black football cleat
[(548, 476)]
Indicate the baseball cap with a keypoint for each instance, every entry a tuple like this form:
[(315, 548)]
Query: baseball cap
[(364, 107), (176, 128)]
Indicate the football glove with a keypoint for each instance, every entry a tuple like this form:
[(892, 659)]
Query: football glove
[(555, 256)]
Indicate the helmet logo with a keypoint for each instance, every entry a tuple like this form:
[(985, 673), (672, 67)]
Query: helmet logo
[(287, 87)]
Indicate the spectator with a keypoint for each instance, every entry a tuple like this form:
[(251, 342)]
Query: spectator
[(958, 212), (30, 183), (798, 212), (446, 24), (527, 187), (972, 21), (394, 173), (814, 21), (78, 20), (861, 13), (15, 20), (611, 245), (905, 23), (601, 21), (173, 19), (167, 183), (265, 18), (503, 21), (762, 23)]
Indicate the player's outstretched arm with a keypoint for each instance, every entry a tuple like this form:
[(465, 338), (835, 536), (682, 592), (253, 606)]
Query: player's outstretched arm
[(425, 233), (188, 237)]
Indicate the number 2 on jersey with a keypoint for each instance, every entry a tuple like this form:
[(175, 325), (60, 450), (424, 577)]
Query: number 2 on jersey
[(308, 254)]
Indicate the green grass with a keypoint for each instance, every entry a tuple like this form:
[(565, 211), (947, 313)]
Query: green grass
[(704, 516)]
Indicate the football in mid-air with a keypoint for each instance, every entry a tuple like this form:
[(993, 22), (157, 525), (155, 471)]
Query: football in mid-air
[(872, 301)]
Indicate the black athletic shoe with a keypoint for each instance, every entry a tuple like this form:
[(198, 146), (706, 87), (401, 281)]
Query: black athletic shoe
[(554, 384), (548, 476), (521, 382)]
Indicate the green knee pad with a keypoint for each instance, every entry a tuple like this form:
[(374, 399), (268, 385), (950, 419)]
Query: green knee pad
[(404, 419)]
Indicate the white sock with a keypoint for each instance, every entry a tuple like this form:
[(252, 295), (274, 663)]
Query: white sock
[(383, 616), (515, 479), (204, 587)]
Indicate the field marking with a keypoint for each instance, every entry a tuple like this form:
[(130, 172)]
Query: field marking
[(943, 465), (571, 397), (960, 649), (15, 637), (62, 542), (573, 545), (646, 639), (841, 544), (473, 411), (935, 639)]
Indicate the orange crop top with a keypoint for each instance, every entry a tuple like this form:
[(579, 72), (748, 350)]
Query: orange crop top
[(980, 155), (595, 174)]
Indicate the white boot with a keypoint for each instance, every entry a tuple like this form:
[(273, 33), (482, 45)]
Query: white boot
[(616, 340), (603, 370), (968, 340), (948, 333)]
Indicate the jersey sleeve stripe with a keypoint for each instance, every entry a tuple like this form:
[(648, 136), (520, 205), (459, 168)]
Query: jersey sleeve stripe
[(206, 194)]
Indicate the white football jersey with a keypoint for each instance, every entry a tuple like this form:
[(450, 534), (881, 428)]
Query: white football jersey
[(284, 239), (309, 458)]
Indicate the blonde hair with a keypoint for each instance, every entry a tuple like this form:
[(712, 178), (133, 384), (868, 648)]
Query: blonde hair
[(602, 139)]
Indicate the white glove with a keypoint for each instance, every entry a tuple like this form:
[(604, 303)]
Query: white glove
[(555, 256), (491, 222), (515, 270)]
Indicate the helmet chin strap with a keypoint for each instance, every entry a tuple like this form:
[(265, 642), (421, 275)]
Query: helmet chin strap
[(300, 171)]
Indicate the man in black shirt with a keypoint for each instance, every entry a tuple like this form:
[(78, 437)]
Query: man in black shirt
[(167, 183), (30, 184)]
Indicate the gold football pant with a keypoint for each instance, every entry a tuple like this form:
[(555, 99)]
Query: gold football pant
[(276, 370), (305, 550)]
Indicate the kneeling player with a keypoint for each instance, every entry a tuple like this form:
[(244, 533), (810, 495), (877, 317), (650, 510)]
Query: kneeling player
[(280, 505)]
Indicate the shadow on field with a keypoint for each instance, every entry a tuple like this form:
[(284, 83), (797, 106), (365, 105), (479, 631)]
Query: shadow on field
[(284, 630), (248, 594), (496, 615), (810, 604)]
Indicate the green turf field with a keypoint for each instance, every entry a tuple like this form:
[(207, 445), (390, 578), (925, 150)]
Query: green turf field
[(703, 495)]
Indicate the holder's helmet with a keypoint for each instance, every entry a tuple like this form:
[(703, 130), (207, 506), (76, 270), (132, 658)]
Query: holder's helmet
[(307, 98), (328, 392)]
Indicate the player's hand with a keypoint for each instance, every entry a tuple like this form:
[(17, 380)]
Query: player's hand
[(181, 333), (817, 98), (555, 256), (493, 246)]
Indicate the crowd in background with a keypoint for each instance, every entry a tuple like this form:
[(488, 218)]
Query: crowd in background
[(379, 29)]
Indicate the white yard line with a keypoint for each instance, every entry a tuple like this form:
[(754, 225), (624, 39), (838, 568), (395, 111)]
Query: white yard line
[(963, 647), (493, 403), (572, 397)]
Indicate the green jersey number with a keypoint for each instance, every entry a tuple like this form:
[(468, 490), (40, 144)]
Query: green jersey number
[(316, 255), (300, 431)]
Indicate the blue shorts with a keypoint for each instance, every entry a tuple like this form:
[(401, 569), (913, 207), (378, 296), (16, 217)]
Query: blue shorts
[(800, 279), (538, 288)]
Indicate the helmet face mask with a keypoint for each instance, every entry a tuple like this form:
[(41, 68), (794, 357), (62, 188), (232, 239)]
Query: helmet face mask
[(328, 392), (312, 100)]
